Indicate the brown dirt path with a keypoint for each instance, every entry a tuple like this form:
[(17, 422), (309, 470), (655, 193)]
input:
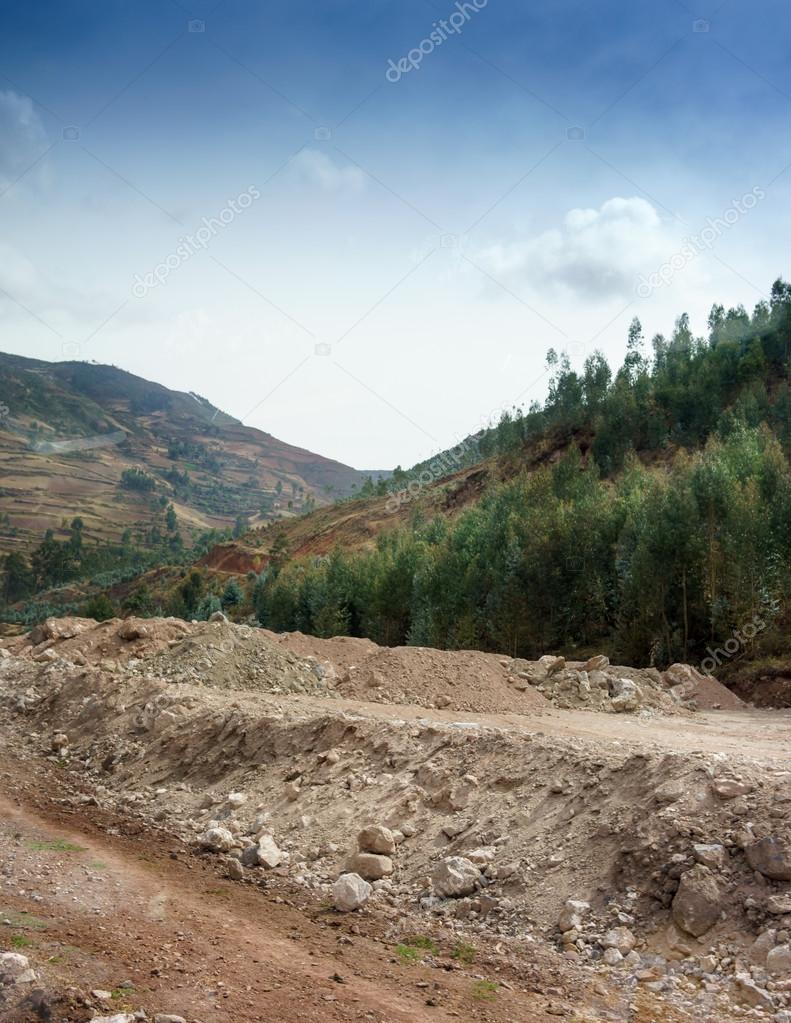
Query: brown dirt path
[(93, 907)]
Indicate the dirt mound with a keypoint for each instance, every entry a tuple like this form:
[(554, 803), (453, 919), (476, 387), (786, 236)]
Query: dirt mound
[(703, 692), (84, 641), (343, 651), (767, 685), (464, 680), (237, 657)]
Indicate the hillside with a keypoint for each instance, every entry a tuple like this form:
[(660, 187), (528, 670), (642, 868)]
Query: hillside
[(70, 430)]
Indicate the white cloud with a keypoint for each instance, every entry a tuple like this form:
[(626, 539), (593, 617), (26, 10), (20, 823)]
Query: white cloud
[(594, 254), (22, 136), (318, 169)]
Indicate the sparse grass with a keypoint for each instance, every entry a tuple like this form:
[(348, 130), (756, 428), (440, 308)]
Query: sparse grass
[(485, 990), (56, 845), (464, 952), (23, 921), (412, 949), (20, 941), (97, 865)]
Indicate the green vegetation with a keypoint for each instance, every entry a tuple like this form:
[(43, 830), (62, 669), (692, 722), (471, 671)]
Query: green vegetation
[(485, 990), (464, 952), (413, 949), (663, 529), (56, 845)]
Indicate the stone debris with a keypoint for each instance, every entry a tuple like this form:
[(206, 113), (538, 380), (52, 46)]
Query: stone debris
[(350, 892), (697, 904), (455, 877)]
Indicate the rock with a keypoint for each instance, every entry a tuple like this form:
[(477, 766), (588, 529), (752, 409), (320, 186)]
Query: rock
[(454, 877), (624, 695), (60, 742), (292, 791), (166, 1017), (60, 628), (748, 992), (218, 616), (267, 852), (350, 892), (481, 857), (235, 800), (552, 664), (370, 865), (620, 938), (119, 1017), (771, 856), (778, 962), (779, 905), (376, 839), (729, 788), (697, 904), (571, 915), (612, 956), (235, 870), (597, 663), (131, 630), (670, 791), (13, 965), (217, 840), (712, 856)]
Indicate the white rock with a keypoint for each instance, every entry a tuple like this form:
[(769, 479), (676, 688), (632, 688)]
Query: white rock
[(13, 965), (620, 938), (217, 839), (269, 855), (455, 877), (350, 892), (571, 915), (612, 957)]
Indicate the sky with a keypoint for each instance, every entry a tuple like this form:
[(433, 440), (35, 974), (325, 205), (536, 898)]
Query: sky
[(360, 224)]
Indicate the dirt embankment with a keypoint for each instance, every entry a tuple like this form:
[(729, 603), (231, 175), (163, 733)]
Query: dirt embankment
[(663, 825)]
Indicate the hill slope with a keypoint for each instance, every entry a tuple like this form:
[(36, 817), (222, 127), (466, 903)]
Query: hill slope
[(68, 432)]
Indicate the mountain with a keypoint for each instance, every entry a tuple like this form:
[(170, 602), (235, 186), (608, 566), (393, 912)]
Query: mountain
[(87, 440)]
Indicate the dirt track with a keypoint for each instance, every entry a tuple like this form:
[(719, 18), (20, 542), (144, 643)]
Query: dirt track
[(100, 910)]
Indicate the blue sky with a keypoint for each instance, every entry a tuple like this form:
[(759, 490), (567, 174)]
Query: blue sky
[(413, 247)]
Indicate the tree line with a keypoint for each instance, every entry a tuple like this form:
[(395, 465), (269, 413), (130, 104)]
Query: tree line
[(662, 530)]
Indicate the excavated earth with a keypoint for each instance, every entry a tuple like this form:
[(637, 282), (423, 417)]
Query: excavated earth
[(179, 801)]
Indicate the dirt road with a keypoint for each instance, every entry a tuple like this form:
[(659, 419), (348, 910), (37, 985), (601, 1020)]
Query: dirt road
[(159, 929)]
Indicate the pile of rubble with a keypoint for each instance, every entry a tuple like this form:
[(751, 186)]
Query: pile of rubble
[(598, 685), (664, 868)]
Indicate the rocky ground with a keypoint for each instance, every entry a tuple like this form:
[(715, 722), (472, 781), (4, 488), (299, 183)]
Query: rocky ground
[(449, 833)]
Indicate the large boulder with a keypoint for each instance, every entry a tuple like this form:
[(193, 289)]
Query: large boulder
[(376, 839), (268, 853), (13, 965), (370, 866), (771, 856), (620, 938), (455, 877), (778, 961), (571, 915), (217, 840), (698, 903), (350, 892), (624, 695)]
